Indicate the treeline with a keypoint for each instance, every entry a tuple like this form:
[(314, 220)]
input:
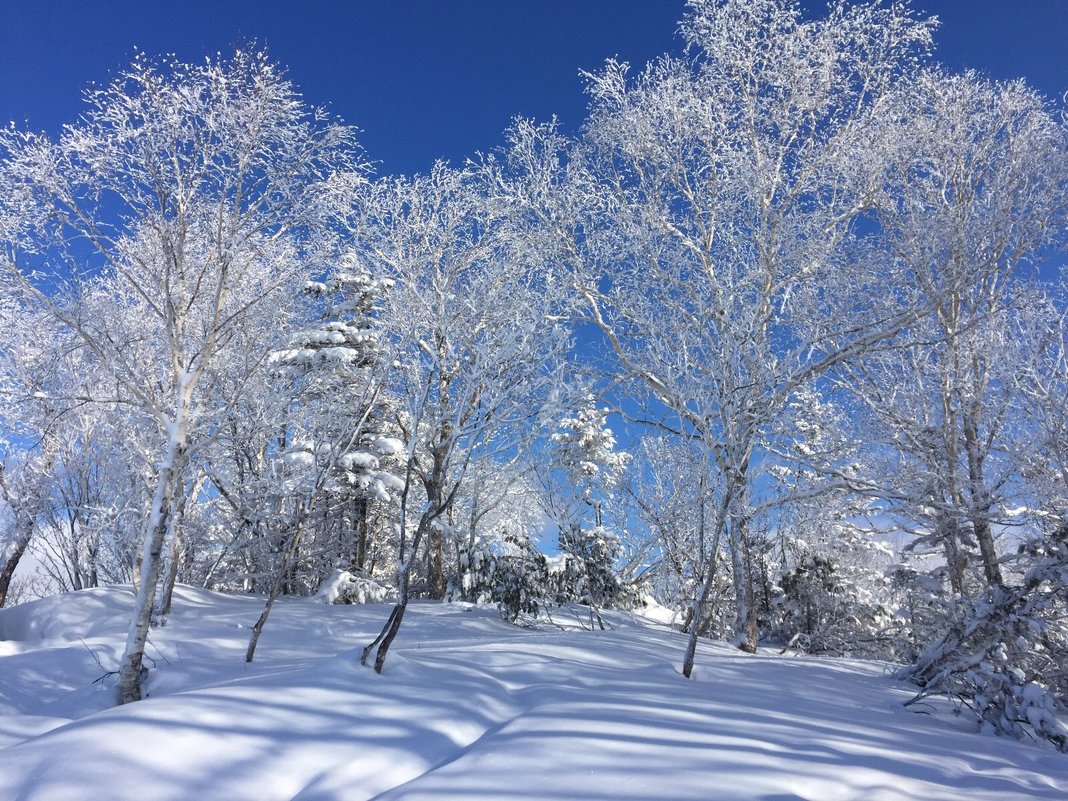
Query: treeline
[(806, 265)]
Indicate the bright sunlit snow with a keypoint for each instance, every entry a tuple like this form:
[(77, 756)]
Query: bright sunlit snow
[(468, 708)]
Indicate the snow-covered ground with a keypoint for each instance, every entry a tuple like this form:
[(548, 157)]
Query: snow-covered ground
[(468, 708)]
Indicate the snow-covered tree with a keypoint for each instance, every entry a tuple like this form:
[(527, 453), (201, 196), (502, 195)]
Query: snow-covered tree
[(1040, 382), (1004, 658), (584, 451), (671, 491), (513, 574), (194, 191), (339, 370), (23, 471), (521, 584), (587, 467), (96, 494), (710, 212), (1000, 651), (473, 326), (498, 500), (975, 191), (75, 478)]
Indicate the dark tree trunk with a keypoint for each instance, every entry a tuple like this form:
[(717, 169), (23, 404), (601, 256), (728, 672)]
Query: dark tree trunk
[(362, 534), (171, 575), (437, 571), (277, 586), (706, 586), (380, 645), (980, 504), (8, 571), (173, 560)]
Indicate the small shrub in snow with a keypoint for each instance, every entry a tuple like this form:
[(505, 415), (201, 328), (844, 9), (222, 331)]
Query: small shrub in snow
[(516, 579), (828, 609), (589, 574), (344, 587), (521, 586), (478, 566), (808, 591)]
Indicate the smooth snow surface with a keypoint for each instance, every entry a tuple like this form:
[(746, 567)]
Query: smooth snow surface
[(468, 709)]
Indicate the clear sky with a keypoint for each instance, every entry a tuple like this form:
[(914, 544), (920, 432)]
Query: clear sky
[(436, 78)]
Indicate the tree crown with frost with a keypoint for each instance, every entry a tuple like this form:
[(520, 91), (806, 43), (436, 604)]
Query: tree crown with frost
[(191, 193)]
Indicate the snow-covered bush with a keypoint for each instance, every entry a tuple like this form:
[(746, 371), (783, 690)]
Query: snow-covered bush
[(477, 569), (521, 581), (345, 587), (808, 593), (1005, 658), (515, 577), (587, 573), (834, 610), (922, 603), (591, 553)]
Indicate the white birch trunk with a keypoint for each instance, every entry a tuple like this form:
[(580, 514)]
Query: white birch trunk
[(131, 668)]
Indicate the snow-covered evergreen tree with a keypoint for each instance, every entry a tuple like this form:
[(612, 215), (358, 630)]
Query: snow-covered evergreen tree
[(521, 586), (588, 468), (338, 369)]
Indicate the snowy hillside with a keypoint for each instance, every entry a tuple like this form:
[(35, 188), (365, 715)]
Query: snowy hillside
[(468, 708)]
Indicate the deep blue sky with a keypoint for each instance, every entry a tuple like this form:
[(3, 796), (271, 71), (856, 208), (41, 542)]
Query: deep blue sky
[(436, 78)]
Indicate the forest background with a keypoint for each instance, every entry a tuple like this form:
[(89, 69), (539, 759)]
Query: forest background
[(814, 276)]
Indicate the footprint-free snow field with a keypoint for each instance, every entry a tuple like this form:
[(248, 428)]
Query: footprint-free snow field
[(468, 708)]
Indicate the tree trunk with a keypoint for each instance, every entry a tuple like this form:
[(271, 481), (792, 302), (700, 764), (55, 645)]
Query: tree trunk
[(745, 615), (951, 494), (980, 504), (436, 505), (706, 586), (8, 571), (385, 638), (130, 669), (752, 631), (171, 574), (985, 536), (956, 559), (437, 572), (698, 606), (751, 628), (362, 534), (279, 583)]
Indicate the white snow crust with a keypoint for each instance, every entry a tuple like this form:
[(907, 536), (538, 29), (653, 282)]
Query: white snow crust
[(467, 708)]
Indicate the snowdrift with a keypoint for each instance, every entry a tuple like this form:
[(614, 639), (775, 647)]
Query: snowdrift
[(467, 708)]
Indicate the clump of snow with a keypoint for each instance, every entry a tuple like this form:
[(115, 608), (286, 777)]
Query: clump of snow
[(649, 609), (344, 587), (388, 446), (359, 460)]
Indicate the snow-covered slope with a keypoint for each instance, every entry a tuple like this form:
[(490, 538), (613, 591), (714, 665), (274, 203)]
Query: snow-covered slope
[(468, 708)]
